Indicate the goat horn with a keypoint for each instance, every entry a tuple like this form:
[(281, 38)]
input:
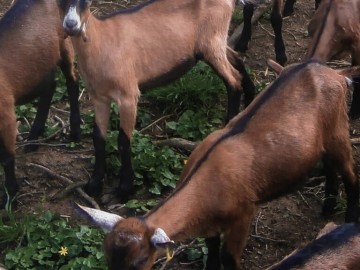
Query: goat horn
[(274, 66), (100, 218)]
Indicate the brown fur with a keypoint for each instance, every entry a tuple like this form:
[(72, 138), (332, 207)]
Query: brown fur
[(345, 256), (151, 46), (341, 32), (30, 50), (284, 134), (335, 28), (14, 54), (138, 60)]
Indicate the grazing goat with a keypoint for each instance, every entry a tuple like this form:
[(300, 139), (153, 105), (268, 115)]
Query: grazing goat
[(241, 44), (265, 151), (143, 47), (32, 45), (335, 28), (336, 247)]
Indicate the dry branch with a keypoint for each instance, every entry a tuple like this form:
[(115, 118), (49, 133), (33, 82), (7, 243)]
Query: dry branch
[(355, 140), (66, 181), (63, 193), (178, 143)]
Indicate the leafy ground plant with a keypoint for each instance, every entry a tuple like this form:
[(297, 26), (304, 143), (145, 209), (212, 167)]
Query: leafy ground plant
[(48, 242), (158, 166)]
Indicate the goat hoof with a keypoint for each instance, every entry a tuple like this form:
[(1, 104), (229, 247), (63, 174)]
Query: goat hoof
[(329, 207), (93, 188), (352, 215), (75, 136), (288, 12), (124, 194), (241, 48), (281, 59)]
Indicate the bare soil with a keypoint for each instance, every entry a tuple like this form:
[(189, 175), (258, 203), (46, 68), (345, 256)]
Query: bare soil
[(279, 227)]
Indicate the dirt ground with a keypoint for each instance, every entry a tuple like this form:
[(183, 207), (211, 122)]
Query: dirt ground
[(279, 227)]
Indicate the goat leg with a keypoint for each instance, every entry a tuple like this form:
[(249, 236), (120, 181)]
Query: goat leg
[(95, 184), (47, 89), (241, 44)]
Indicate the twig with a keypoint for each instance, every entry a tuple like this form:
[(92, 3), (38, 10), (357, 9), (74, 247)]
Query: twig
[(355, 140), (256, 223), (26, 121), (302, 197), (178, 143), (81, 94), (28, 194), (289, 32), (315, 180), (267, 238), (59, 110), (111, 3), (155, 122), (63, 193), (42, 144), (180, 249), (43, 139), (67, 181), (60, 120), (267, 31)]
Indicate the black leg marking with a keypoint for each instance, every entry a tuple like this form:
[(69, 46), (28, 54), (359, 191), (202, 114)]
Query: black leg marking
[(73, 92), (213, 259), (352, 211), (94, 186), (352, 195), (227, 260), (276, 22), (355, 103), (46, 88), (126, 184), (246, 84), (11, 185), (242, 43), (331, 187), (233, 99), (289, 7)]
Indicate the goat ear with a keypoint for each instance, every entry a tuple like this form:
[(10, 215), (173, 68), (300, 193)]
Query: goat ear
[(160, 239), (328, 228), (99, 218), (350, 71), (274, 66)]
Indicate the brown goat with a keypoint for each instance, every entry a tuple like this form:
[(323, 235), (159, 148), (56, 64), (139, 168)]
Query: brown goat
[(143, 47), (335, 28), (32, 45), (336, 247), (265, 151)]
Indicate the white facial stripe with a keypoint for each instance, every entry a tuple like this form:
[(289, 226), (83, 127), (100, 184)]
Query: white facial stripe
[(72, 16)]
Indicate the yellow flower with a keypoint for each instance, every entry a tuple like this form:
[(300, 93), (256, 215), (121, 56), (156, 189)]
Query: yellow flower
[(63, 251)]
